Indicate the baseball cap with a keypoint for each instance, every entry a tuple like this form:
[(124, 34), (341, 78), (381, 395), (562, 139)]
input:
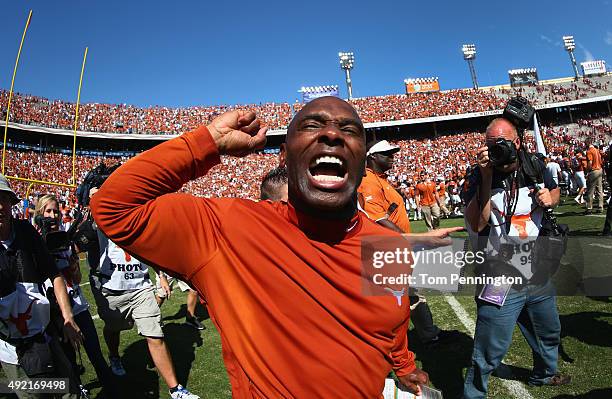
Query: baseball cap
[(383, 146), (4, 186)]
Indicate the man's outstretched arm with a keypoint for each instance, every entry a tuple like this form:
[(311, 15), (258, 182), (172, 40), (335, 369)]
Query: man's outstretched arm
[(138, 207)]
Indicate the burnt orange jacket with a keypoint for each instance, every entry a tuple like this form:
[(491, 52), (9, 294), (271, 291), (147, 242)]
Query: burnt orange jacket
[(282, 288)]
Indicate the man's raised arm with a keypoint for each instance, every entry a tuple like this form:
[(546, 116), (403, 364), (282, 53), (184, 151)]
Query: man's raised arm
[(138, 207)]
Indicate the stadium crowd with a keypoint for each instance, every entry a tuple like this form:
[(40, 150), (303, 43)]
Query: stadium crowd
[(123, 118), (446, 157), (553, 93)]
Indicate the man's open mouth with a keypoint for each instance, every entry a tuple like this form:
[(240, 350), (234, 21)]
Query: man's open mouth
[(328, 172)]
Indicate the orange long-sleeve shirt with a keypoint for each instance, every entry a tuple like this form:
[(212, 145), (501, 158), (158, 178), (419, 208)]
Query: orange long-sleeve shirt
[(283, 288), (378, 196)]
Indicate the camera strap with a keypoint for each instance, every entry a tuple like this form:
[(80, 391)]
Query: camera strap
[(511, 197)]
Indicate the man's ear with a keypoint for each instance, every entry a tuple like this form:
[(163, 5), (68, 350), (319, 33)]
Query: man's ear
[(282, 156)]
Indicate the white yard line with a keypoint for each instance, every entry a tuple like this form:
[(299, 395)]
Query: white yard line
[(601, 245), (515, 388)]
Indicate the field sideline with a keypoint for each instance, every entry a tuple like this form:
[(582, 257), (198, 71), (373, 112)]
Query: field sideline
[(586, 344)]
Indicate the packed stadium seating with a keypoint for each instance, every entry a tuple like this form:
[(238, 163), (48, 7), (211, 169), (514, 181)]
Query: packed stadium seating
[(446, 156), (122, 118)]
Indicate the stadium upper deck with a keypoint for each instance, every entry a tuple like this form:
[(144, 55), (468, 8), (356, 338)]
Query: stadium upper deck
[(125, 121)]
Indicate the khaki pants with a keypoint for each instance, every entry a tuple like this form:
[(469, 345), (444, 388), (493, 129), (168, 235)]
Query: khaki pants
[(443, 207), (431, 213), (595, 182)]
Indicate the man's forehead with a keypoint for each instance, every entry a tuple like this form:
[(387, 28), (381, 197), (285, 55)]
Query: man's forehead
[(330, 107), (501, 129)]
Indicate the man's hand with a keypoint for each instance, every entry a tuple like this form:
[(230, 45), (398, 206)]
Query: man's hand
[(434, 238), (75, 269), (72, 333), (237, 133), (413, 380), (163, 282), (543, 198), (484, 163)]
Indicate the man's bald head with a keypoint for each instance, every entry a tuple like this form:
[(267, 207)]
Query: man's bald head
[(312, 106), (501, 128), (325, 158)]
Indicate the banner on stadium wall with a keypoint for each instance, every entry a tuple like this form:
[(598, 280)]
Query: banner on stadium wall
[(523, 77), (421, 85), (593, 67), (310, 93)]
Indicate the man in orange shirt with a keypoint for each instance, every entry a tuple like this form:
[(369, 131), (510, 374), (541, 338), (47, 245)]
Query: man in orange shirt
[(382, 203), (594, 178), (426, 191), (282, 281)]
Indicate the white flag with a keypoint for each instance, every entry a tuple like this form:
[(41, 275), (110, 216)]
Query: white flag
[(538, 137)]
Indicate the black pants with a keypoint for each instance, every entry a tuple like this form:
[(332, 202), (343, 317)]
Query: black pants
[(91, 343), (608, 225), (422, 320)]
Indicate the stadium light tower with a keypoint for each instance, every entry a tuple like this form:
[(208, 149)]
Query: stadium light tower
[(346, 63), (469, 54), (570, 45)]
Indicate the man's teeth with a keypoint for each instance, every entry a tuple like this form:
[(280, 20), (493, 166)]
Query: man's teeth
[(328, 159), (328, 178)]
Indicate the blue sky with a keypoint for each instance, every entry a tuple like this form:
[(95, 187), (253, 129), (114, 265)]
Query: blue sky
[(203, 52)]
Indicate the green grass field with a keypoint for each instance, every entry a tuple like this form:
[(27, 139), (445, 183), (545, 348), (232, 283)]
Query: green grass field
[(586, 343)]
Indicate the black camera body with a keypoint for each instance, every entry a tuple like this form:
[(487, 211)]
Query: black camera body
[(55, 240), (519, 112), (94, 178), (503, 152)]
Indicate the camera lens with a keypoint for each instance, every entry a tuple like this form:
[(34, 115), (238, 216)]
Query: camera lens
[(502, 152)]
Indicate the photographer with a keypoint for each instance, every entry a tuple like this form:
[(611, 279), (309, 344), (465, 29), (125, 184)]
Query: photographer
[(30, 345), (505, 214), (125, 297), (47, 219)]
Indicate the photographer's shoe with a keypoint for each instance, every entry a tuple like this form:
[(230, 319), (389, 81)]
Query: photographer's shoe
[(116, 366), (555, 381), (442, 337), (194, 322), (180, 392)]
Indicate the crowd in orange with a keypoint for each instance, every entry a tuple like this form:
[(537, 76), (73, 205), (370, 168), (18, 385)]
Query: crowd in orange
[(122, 118), (446, 157)]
